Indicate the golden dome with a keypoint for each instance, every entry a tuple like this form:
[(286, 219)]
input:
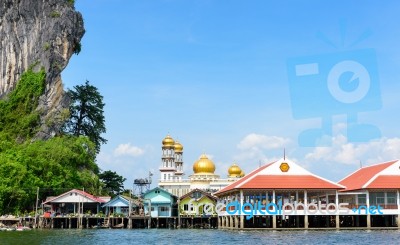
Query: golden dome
[(234, 170), (168, 141), (178, 147), (203, 165)]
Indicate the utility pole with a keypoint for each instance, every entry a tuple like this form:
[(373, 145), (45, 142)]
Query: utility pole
[(37, 200), (130, 210), (179, 215)]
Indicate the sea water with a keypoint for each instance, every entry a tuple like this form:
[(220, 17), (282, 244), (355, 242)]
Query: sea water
[(196, 237)]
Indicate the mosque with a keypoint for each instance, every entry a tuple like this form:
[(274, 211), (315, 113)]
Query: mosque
[(203, 177)]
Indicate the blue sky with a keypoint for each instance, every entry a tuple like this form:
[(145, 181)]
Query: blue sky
[(215, 76)]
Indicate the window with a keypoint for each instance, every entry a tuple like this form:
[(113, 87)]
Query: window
[(362, 199), (152, 209), (391, 198), (164, 209), (197, 195), (185, 207), (376, 198)]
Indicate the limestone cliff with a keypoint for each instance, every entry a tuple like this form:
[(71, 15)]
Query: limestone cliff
[(41, 32)]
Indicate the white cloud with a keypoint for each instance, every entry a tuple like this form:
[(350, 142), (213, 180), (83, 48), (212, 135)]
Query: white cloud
[(255, 147), (384, 149), (259, 141), (128, 150)]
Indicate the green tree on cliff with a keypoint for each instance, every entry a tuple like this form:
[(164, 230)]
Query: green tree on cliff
[(86, 114), (113, 182)]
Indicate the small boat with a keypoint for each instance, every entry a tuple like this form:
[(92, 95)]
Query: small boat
[(119, 226), (22, 228), (10, 229)]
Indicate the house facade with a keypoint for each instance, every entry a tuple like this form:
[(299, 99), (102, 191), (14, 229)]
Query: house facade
[(160, 202), (197, 203), (120, 204), (74, 202)]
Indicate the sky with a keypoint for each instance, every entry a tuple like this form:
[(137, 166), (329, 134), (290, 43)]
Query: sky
[(244, 82)]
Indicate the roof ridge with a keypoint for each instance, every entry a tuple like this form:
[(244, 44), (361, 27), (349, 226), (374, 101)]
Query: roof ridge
[(244, 179)]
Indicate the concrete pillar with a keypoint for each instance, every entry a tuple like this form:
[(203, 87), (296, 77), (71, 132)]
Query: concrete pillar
[(274, 221), (305, 214), (327, 216), (273, 216), (337, 222), (398, 208), (398, 221), (297, 217), (231, 222), (236, 222), (368, 216), (241, 205)]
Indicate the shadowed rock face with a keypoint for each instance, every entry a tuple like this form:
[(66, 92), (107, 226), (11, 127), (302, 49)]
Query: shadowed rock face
[(44, 33)]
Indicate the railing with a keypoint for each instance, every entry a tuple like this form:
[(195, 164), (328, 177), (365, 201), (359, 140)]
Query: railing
[(383, 206)]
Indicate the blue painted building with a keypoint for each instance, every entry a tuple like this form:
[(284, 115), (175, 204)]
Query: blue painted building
[(120, 205), (163, 204)]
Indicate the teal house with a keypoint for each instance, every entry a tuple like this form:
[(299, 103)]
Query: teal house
[(119, 205), (163, 204)]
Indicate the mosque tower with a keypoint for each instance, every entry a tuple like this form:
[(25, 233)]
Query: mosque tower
[(178, 160), (168, 167)]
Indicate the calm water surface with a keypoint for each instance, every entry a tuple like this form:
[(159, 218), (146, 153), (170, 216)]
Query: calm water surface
[(195, 237)]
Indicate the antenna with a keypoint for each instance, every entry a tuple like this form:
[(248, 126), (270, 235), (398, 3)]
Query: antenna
[(284, 154), (360, 164)]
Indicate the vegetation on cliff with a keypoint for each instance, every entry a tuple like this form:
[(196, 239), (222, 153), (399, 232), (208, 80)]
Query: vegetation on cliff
[(56, 165)]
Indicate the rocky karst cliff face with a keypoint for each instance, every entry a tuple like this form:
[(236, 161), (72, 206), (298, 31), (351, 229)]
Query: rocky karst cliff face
[(41, 32)]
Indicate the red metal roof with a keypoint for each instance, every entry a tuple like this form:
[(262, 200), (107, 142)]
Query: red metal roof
[(83, 193), (259, 179), (289, 182), (245, 178), (385, 182), (359, 178)]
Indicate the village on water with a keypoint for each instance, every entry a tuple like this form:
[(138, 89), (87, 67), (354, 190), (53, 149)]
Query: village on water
[(277, 195)]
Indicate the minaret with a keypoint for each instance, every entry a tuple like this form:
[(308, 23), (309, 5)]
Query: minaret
[(168, 167), (178, 160)]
